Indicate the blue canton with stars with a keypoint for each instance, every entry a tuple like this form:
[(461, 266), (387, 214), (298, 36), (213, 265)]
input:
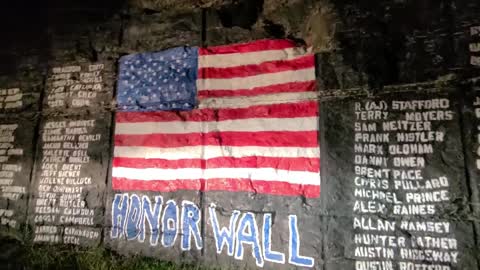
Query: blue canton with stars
[(158, 81)]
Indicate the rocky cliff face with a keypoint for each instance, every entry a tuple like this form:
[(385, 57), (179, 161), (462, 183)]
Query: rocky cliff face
[(390, 42)]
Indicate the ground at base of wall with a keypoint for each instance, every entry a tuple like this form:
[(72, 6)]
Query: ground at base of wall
[(17, 256)]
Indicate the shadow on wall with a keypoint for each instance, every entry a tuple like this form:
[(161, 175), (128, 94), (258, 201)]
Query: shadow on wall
[(243, 14), (398, 41), (379, 41), (25, 27)]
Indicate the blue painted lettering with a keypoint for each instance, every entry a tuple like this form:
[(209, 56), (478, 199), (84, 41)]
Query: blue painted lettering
[(268, 254), (294, 245), (134, 218), (190, 225), (152, 217), (119, 211), (247, 233), (170, 224), (131, 214), (223, 236)]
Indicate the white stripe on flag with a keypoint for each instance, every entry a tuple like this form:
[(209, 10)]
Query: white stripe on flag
[(248, 58), (207, 152), (261, 174), (266, 79), (243, 125), (245, 102)]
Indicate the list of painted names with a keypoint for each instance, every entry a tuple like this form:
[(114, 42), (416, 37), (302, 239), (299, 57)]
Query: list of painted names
[(394, 198), (62, 211)]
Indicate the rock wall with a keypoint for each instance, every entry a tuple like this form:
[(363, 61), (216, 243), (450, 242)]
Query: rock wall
[(398, 84)]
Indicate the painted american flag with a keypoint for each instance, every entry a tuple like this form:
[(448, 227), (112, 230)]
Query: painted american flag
[(240, 117)]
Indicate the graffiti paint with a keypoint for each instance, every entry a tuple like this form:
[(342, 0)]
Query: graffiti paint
[(170, 223)]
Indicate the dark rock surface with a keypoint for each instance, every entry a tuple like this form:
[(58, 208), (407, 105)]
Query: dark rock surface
[(162, 30), (368, 173), (21, 91), (67, 198), (17, 150), (343, 129), (79, 85), (340, 247)]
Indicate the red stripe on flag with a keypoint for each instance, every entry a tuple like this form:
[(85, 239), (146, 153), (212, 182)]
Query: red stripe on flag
[(235, 185), (283, 163), (263, 138), (255, 46), (292, 87), (299, 63), (284, 110), (141, 163), (162, 186), (263, 187)]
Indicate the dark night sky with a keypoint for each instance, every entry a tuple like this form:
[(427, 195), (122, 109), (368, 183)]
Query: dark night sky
[(26, 26), (28, 21)]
